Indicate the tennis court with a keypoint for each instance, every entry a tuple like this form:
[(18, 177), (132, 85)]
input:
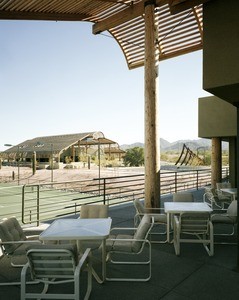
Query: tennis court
[(40, 202)]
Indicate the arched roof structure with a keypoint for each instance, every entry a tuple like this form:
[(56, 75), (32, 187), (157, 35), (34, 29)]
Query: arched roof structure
[(179, 23), (46, 145)]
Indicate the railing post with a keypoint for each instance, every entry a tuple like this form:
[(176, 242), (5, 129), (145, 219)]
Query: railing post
[(38, 204), (197, 180), (176, 178), (104, 191), (23, 203)]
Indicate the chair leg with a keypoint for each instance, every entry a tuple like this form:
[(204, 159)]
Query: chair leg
[(154, 233), (148, 262), (176, 238), (89, 282)]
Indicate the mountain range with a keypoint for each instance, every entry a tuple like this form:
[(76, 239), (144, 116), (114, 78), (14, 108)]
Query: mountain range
[(178, 145)]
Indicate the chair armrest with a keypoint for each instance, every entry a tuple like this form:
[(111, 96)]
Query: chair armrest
[(123, 228), (29, 232), (20, 242), (218, 211), (129, 240), (34, 230)]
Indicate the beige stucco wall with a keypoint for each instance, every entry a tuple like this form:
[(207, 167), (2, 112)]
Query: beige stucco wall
[(220, 49), (216, 118)]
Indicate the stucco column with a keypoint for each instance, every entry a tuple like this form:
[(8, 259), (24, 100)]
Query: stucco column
[(151, 147), (232, 161), (216, 161)]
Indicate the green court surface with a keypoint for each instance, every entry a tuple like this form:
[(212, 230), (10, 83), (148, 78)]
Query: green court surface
[(40, 204)]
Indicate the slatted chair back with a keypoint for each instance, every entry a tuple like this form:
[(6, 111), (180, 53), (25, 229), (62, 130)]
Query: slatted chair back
[(194, 223), (52, 262), (55, 264), (194, 227)]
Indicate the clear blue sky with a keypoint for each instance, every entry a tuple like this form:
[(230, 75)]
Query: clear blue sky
[(59, 78)]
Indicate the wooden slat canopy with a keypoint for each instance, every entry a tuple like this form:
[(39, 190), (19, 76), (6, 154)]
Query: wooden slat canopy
[(124, 19)]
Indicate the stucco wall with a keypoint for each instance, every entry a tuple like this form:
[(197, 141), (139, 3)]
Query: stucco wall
[(220, 49), (216, 118)]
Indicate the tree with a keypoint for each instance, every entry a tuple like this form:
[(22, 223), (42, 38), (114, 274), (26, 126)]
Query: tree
[(134, 157)]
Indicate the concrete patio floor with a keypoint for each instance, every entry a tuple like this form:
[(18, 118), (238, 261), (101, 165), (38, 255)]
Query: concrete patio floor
[(192, 275)]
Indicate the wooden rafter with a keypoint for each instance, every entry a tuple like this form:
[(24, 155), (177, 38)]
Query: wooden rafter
[(132, 12)]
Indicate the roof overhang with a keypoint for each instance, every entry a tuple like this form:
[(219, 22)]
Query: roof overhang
[(178, 34)]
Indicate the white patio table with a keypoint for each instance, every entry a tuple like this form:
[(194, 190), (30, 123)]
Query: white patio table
[(171, 208), (80, 230)]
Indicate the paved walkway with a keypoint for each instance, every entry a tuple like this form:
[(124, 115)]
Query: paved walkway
[(192, 275)]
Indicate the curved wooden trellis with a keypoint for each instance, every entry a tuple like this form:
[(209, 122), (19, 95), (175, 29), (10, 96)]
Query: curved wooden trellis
[(187, 157)]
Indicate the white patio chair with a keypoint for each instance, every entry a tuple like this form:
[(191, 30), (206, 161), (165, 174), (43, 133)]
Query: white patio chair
[(188, 225), (183, 197), (160, 218), (93, 211), (56, 264), (212, 198), (14, 240), (220, 194), (131, 242), (229, 217)]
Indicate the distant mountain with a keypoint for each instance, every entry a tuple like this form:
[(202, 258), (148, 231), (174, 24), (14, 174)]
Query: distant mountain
[(178, 145), (129, 146)]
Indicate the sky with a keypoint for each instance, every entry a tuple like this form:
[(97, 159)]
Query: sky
[(58, 78)]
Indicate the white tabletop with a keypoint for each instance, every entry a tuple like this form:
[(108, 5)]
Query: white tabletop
[(77, 229), (177, 207), (232, 191)]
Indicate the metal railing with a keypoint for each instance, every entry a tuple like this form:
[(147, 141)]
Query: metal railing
[(45, 201)]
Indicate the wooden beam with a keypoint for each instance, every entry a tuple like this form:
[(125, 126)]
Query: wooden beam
[(17, 15), (132, 12), (177, 6)]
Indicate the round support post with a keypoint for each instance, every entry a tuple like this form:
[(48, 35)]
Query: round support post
[(152, 149), (216, 161)]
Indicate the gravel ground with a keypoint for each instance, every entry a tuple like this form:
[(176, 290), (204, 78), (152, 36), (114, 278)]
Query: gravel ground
[(44, 175)]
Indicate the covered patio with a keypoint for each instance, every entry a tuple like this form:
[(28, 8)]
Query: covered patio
[(148, 32), (192, 275)]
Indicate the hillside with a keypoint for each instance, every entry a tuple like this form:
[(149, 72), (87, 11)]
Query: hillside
[(178, 145)]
